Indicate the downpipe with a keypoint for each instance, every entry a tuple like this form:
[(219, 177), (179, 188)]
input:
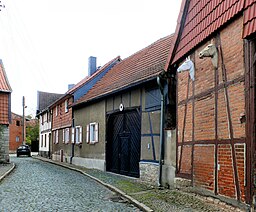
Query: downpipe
[(161, 83), (72, 143)]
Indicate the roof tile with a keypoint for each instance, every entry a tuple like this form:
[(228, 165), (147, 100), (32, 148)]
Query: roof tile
[(143, 65), (203, 17), (4, 83)]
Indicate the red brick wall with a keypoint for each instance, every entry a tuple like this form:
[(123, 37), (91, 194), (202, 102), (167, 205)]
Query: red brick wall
[(4, 108), (14, 132), (204, 115), (204, 166), (63, 118)]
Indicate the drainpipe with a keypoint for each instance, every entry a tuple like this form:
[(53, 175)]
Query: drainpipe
[(161, 83), (72, 144)]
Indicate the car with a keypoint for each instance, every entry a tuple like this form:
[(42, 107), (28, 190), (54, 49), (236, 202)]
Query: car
[(24, 150)]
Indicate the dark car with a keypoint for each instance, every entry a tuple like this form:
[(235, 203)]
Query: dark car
[(24, 150)]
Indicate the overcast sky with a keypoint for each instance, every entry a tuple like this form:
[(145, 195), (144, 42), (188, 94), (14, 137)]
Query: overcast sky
[(45, 44)]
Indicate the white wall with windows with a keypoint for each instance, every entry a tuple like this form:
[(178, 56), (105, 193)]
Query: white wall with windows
[(45, 133)]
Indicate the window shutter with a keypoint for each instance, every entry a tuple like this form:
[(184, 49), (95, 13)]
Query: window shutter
[(63, 135), (88, 133), (97, 132), (67, 140), (73, 135), (57, 136), (80, 135)]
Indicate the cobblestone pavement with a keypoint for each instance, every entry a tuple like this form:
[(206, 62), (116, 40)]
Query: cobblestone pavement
[(150, 198), (38, 186)]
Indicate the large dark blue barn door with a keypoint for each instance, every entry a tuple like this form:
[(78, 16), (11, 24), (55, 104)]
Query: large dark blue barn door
[(123, 143)]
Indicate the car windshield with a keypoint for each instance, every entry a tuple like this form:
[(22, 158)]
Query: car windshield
[(23, 147)]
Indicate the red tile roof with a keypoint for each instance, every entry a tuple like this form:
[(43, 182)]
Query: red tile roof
[(4, 83), (141, 66), (198, 19), (249, 17)]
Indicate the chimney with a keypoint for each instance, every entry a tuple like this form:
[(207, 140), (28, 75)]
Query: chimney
[(70, 86), (91, 65)]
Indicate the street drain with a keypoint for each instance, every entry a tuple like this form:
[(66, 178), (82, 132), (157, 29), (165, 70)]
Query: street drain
[(118, 199)]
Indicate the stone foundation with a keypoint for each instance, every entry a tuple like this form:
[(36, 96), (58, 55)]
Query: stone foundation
[(149, 172), (182, 183), (4, 145), (44, 154)]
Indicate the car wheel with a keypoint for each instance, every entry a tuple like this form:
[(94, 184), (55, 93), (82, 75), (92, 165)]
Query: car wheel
[(18, 155)]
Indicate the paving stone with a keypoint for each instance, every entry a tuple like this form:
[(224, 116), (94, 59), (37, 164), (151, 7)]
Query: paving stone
[(38, 186)]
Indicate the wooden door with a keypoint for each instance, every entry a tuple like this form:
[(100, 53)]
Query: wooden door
[(123, 143)]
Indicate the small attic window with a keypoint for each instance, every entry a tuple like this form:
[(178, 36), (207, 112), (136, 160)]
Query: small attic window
[(66, 105)]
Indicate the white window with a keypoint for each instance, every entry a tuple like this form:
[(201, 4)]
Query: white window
[(42, 140), (17, 138), (73, 135), (65, 135), (66, 105), (78, 134), (56, 111), (92, 133), (56, 136)]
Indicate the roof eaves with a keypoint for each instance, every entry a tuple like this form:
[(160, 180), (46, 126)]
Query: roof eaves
[(61, 99), (6, 78), (180, 25), (72, 90), (126, 87)]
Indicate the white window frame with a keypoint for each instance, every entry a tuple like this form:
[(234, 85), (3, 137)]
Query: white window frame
[(78, 135), (65, 137), (92, 133), (42, 140), (56, 110), (73, 135), (56, 136), (66, 105)]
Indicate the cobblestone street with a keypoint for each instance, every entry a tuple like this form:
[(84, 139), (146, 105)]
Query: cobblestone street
[(38, 186)]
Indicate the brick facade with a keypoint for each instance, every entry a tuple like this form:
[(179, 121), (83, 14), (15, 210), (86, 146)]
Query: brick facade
[(211, 149), (62, 118), (4, 107), (15, 132)]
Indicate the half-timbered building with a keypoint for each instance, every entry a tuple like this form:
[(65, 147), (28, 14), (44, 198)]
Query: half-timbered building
[(214, 54)]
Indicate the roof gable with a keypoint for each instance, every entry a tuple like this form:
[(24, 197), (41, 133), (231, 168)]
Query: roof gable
[(198, 19), (45, 99), (89, 78), (143, 65), (4, 83), (87, 83)]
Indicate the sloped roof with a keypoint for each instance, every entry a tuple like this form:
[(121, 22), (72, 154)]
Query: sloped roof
[(4, 83), (45, 99), (249, 17), (143, 65), (88, 78), (198, 19)]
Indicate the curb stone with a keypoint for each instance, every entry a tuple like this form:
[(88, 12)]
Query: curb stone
[(8, 172)]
